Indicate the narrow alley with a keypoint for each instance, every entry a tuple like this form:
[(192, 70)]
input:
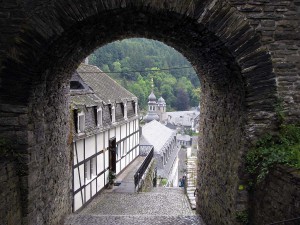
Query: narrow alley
[(160, 206), (123, 206)]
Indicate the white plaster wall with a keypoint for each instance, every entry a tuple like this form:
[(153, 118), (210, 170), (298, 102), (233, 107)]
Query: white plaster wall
[(100, 143), (123, 131), (118, 136), (90, 146), (100, 163), (106, 139), (80, 150), (77, 201), (106, 159), (100, 182), (87, 192), (94, 187)]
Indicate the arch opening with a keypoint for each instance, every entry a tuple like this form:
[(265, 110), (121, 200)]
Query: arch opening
[(229, 95)]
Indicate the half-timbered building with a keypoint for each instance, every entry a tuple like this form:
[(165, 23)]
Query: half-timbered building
[(105, 131)]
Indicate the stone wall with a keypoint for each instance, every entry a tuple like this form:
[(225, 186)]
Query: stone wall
[(278, 197), (10, 207), (245, 56), (278, 24), (146, 183), (47, 179), (145, 149)]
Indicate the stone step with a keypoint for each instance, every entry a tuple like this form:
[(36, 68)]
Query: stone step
[(193, 206), (191, 198), (132, 220)]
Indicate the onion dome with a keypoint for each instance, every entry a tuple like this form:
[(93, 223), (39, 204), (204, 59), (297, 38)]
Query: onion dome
[(161, 100), (152, 97)]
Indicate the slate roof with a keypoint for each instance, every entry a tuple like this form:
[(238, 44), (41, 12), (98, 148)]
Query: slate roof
[(171, 126), (183, 137), (182, 117), (102, 85), (88, 100), (167, 169), (157, 135)]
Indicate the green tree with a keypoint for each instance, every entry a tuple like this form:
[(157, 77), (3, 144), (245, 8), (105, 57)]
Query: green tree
[(117, 66), (138, 54)]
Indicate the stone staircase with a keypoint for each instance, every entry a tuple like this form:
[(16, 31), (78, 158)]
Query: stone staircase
[(160, 206), (191, 180)]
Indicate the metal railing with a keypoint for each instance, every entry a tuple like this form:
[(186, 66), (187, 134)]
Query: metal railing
[(287, 222), (140, 172)]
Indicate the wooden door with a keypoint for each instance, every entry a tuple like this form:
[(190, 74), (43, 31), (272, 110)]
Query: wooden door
[(112, 155)]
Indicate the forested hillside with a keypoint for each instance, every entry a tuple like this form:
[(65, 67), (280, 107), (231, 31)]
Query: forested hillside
[(133, 62)]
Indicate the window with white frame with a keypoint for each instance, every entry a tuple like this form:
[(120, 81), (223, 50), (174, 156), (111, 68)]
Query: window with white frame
[(90, 170), (93, 167), (124, 147), (99, 117), (87, 170), (118, 152), (81, 122)]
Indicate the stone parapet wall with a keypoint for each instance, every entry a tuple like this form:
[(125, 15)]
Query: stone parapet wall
[(146, 183), (278, 197)]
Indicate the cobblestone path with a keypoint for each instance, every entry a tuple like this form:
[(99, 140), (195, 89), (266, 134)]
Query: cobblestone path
[(161, 206)]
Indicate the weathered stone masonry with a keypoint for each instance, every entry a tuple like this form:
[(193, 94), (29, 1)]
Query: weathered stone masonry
[(278, 197), (245, 52)]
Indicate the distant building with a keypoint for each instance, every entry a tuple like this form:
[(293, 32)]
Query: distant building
[(162, 109), (183, 119), (166, 150), (184, 139), (152, 109), (105, 131), (156, 109)]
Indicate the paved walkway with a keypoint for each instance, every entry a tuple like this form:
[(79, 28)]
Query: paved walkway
[(127, 177), (160, 206), (123, 206)]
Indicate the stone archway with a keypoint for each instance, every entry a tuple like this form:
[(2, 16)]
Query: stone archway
[(237, 104)]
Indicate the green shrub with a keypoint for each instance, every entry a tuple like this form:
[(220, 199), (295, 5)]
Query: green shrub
[(242, 217), (164, 182), (269, 151)]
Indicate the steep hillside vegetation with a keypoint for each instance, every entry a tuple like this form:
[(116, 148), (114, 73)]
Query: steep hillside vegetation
[(134, 62)]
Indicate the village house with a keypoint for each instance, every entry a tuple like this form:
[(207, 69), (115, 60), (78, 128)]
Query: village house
[(183, 120), (105, 131), (166, 150)]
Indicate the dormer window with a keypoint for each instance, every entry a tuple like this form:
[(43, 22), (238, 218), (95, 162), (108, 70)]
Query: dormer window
[(76, 85), (99, 117), (113, 114), (80, 122), (135, 104), (125, 110)]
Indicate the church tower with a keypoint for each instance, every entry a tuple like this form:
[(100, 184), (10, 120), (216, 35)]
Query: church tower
[(152, 107), (162, 109)]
